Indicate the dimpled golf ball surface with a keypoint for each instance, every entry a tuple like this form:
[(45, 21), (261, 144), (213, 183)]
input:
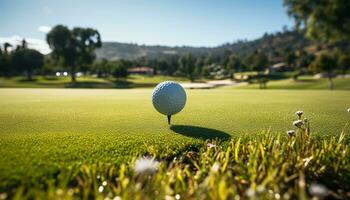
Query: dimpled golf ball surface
[(169, 98)]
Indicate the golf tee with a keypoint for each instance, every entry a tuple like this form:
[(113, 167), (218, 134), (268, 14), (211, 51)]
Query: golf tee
[(169, 119)]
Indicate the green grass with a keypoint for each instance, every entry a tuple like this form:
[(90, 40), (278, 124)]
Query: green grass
[(133, 81), (302, 83), (46, 131)]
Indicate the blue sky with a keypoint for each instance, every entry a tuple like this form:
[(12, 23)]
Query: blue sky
[(164, 22)]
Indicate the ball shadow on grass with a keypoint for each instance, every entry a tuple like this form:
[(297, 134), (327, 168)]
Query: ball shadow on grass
[(199, 132)]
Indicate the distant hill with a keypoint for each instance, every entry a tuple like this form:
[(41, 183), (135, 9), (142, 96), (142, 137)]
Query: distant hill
[(117, 50), (274, 45)]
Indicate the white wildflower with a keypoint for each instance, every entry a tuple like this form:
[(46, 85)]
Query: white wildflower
[(318, 190), (348, 110), (117, 198), (177, 196), (251, 193), (100, 189), (277, 196), (104, 183), (215, 167), (260, 188), (299, 113), (291, 133), (298, 123), (146, 164)]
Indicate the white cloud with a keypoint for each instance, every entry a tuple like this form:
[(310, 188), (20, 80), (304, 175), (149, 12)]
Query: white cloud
[(33, 43), (44, 29)]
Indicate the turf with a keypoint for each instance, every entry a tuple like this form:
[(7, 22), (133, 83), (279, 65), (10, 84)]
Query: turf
[(43, 131), (304, 82), (132, 81)]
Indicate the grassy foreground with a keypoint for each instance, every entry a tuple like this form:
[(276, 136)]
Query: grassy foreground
[(48, 134), (268, 167)]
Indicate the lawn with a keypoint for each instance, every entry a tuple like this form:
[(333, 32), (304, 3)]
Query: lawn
[(304, 82), (132, 81), (43, 131)]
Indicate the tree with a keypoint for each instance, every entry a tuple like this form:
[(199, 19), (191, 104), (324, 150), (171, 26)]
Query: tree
[(187, 65), (291, 59), (5, 61), (101, 68), (120, 71), (74, 47), (50, 65), (344, 63), (233, 65), (6, 46), (199, 65), (63, 45), (2, 62), (324, 20), (86, 40), (258, 62), (325, 63), (28, 60)]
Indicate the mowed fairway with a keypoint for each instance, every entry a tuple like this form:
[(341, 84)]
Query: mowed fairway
[(43, 131)]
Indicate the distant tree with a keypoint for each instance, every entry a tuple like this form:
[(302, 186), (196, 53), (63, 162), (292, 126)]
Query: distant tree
[(199, 65), (2, 62), (28, 60), (6, 47), (187, 65), (86, 40), (325, 63), (76, 48), (247, 62), (324, 20), (101, 68), (304, 60), (208, 60), (291, 59), (233, 65), (291, 62), (173, 64), (6, 68), (49, 66), (120, 71), (24, 44), (344, 63), (63, 45), (259, 62), (162, 66)]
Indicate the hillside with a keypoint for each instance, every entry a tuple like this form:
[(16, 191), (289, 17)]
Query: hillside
[(274, 45), (116, 50)]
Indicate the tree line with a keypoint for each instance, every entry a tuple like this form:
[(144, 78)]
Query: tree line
[(73, 51), (20, 61)]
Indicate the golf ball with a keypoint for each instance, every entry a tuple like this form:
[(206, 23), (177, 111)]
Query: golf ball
[(169, 98)]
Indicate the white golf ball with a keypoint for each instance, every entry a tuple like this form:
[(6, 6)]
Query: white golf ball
[(169, 98)]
